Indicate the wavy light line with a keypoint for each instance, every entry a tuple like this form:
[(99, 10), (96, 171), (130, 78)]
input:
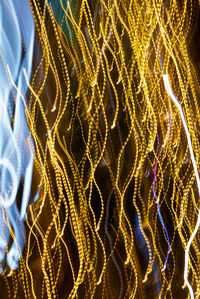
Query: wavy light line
[(16, 148), (172, 96)]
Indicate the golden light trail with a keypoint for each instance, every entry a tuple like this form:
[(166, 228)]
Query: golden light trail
[(114, 196)]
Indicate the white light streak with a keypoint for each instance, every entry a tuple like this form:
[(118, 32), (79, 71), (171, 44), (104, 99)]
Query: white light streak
[(174, 99)]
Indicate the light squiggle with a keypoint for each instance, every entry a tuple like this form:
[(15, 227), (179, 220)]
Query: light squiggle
[(16, 146)]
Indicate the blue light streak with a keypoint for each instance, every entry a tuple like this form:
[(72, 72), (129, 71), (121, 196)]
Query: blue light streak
[(156, 197), (16, 145)]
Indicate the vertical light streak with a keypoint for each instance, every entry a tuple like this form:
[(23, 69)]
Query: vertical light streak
[(157, 199), (111, 246), (173, 98)]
